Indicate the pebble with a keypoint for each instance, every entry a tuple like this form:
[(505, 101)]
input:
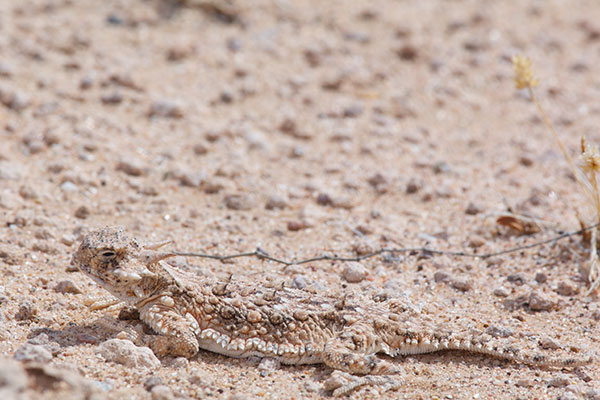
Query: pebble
[(524, 383), (413, 186), (125, 352), (408, 52), (539, 303), (276, 202), (592, 394), (498, 331), (476, 241), (299, 282), (112, 98), (161, 392), (238, 202), (541, 277), (441, 276), (68, 186), (501, 292), (179, 362), (10, 171), (67, 239), (548, 343), (13, 380), (14, 100), (26, 312), (559, 382), (295, 225), (33, 352), (461, 285), (517, 279), (312, 386), (354, 272), (131, 167), (82, 212), (166, 109), (44, 340), (267, 365), (566, 289), (473, 209), (67, 286), (153, 381)]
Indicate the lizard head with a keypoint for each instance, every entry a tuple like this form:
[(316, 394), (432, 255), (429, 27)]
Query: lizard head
[(113, 260)]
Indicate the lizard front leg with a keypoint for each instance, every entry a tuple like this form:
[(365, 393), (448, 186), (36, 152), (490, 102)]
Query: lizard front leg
[(175, 334)]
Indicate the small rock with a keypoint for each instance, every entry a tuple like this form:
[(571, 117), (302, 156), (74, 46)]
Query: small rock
[(161, 392), (299, 282), (441, 276), (82, 212), (541, 277), (14, 100), (200, 149), (476, 241), (166, 109), (13, 380), (472, 209), (547, 343), (67, 239), (295, 226), (524, 383), (68, 186), (67, 287), (26, 312), (526, 161), (501, 292), (462, 285), (267, 366), (238, 202), (324, 199), (540, 303), (353, 111), (354, 272), (276, 202), (11, 171), (566, 289), (408, 52), (498, 331), (413, 186), (27, 193), (153, 381), (112, 98), (33, 352), (362, 248), (131, 167), (592, 394), (517, 279), (125, 352), (43, 340), (179, 362), (312, 387), (559, 382)]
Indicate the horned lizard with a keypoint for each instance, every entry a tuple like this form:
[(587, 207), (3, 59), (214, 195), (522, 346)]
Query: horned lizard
[(191, 312)]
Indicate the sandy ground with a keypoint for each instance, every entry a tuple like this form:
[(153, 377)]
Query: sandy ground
[(302, 128)]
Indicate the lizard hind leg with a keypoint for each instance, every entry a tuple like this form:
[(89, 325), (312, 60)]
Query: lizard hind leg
[(349, 360), (345, 357)]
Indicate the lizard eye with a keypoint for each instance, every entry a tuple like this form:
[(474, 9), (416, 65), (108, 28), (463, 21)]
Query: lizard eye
[(108, 254)]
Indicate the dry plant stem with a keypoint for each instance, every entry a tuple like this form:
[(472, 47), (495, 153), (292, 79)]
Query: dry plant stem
[(590, 186), (576, 172)]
